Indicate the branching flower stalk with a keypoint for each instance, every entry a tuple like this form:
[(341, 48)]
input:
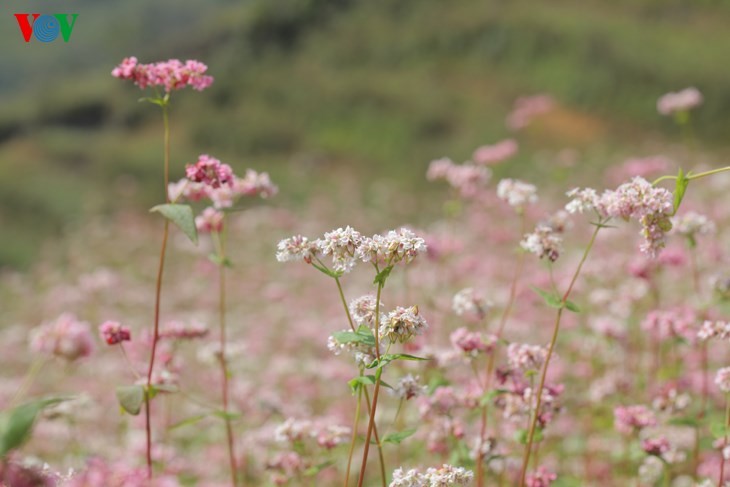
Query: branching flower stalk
[(533, 423)]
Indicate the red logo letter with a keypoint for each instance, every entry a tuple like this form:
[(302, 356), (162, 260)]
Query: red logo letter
[(24, 25)]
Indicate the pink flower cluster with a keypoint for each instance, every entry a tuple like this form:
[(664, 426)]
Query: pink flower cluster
[(678, 322), (472, 343), (212, 179), (209, 171), (113, 333), (99, 473), (628, 419), (467, 178), (488, 155), (66, 337), (542, 477), (177, 330), (638, 200), (210, 221), (680, 101), (527, 108), (171, 75)]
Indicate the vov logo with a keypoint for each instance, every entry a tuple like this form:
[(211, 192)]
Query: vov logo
[(46, 28)]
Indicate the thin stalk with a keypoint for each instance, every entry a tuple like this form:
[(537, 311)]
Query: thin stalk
[(693, 176), (354, 432), (553, 340), (219, 239), (30, 376), (158, 292), (724, 441), (376, 391), (491, 360), (381, 457)]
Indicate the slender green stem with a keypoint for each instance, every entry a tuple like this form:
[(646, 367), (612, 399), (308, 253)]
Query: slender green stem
[(692, 177), (354, 432), (553, 340), (158, 291), (129, 362), (225, 374), (30, 376), (376, 391), (376, 435), (344, 303)]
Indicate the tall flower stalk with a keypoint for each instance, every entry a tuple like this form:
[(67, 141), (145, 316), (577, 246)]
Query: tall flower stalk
[(162, 76)]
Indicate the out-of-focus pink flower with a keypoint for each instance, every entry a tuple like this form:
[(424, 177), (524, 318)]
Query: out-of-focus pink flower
[(112, 332), (542, 477), (180, 331), (487, 155), (628, 419), (255, 184), (99, 473), (211, 220), (66, 337), (170, 75), (472, 343), (680, 101), (526, 108)]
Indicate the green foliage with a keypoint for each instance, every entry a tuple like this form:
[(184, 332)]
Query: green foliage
[(131, 398), (182, 216), (16, 424), (398, 436)]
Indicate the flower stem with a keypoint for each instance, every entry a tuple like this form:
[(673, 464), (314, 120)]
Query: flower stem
[(158, 292), (721, 479), (376, 391), (553, 340), (354, 432), (225, 374), (33, 372)]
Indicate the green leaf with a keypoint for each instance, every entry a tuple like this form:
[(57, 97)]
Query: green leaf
[(363, 380), (324, 270), (719, 429), (550, 299), (188, 421), (382, 276), (131, 398), (398, 436), (571, 306), (216, 259), (684, 421), (362, 335), (522, 435), (680, 188), (16, 424), (388, 358), (180, 215), (227, 416), (314, 470), (487, 398), (153, 389)]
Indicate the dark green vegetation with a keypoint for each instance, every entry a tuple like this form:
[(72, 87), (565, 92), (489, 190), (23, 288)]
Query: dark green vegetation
[(315, 91)]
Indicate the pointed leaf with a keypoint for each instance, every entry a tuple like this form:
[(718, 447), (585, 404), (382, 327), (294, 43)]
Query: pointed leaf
[(550, 299), (16, 424), (679, 189), (398, 436), (180, 215), (131, 398)]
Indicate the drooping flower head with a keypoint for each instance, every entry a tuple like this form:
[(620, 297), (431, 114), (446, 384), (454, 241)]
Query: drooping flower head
[(112, 332), (401, 324), (169, 75), (543, 242)]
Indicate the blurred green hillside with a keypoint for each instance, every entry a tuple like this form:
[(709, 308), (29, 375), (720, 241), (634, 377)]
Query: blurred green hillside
[(314, 91)]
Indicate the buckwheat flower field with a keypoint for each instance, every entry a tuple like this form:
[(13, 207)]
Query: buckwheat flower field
[(532, 332)]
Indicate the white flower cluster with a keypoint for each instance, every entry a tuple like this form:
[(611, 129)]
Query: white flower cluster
[(401, 324), (434, 477), (516, 193), (543, 242), (346, 246)]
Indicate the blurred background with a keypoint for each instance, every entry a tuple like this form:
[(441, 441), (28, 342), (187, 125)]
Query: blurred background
[(351, 98)]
